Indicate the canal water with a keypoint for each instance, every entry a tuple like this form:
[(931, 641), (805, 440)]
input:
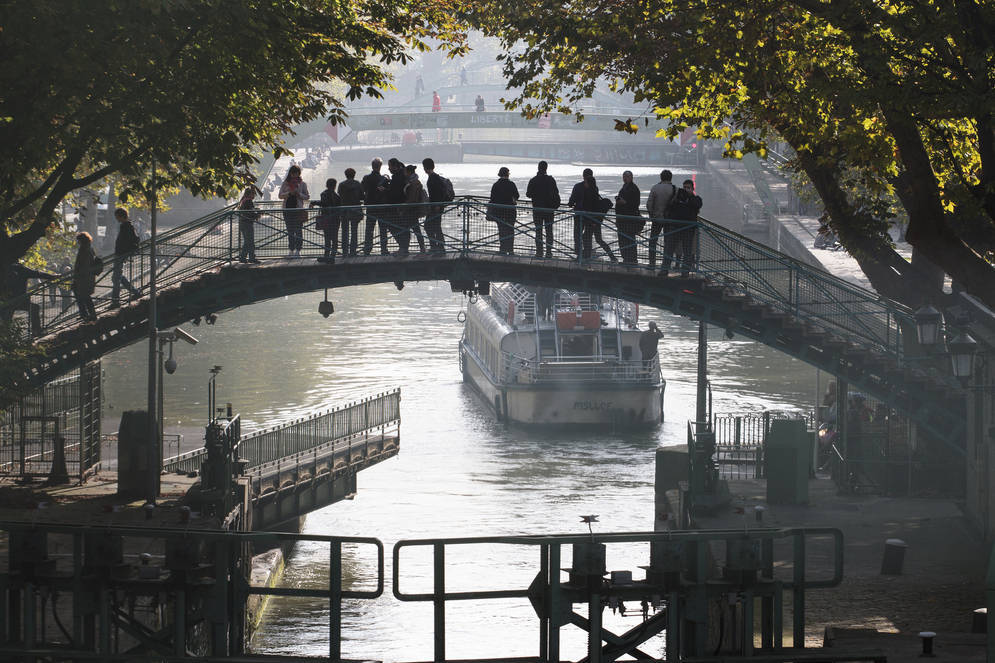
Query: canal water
[(459, 472)]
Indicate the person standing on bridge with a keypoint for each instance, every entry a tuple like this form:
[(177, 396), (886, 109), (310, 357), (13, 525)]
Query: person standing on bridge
[(439, 192), (436, 102), (247, 217), (395, 216), (419, 86), (374, 189), (545, 199), (576, 201), (415, 199), (595, 207), (479, 103), (658, 207), (627, 219), (126, 243), (500, 209), (294, 194), (85, 271), (462, 76), (351, 193), (685, 207), (328, 221)]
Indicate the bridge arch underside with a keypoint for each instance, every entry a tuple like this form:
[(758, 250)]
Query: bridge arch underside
[(933, 407)]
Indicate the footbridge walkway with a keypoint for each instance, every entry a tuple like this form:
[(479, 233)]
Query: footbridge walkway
[(733, 282), (311, 462)]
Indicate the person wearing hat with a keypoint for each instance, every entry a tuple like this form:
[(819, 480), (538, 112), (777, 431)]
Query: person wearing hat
[(648, 341)]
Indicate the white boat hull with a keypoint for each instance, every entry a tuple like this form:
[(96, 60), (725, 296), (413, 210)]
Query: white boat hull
[(603, 404)]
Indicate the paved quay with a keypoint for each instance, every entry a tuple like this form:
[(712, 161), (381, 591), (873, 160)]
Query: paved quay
[(941, 584)]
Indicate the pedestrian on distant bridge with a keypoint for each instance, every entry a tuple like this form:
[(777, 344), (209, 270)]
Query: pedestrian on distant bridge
[(545, 199), (351, 194), (436, 102), (374, 192), (628, 221), (500, 209), (419, 86), (294, 194), (479, 103)]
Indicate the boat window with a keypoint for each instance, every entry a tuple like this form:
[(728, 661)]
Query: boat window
[(578, 345)]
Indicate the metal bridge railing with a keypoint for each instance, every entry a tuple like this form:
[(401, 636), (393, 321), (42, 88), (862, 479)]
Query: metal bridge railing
[(471, 226), (378, 411)]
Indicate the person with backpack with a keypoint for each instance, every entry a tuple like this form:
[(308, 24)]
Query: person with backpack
[(395, 216), (351, 194), (500, 209), (685, 207), (247, 217), (545, 199), (417, 206), (328, 221), (294, 194), (85, 270), (126, 243), (595, 207), (440, 191), (627, 218), (658, 207), (374, 189)]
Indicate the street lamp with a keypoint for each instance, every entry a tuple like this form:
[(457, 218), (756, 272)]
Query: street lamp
[(928, 321), (962, 349), (169, 365)]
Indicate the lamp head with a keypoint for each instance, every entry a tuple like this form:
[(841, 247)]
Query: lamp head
[(170, 365)]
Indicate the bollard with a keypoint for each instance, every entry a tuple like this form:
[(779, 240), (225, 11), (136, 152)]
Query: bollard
[(927, 642), (894, 557), (979, 621)]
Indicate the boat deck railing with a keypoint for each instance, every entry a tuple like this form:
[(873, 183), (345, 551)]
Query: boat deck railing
[(578, 370)]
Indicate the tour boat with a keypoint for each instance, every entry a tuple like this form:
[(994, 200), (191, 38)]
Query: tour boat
[(542, 356)]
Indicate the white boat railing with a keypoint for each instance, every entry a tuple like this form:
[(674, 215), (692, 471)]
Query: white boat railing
[(521, 370)]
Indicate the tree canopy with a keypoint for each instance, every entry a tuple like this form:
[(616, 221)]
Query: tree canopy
[(89, 90), (880, 100)]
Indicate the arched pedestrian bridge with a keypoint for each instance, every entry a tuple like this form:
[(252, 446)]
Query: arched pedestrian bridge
[(737, 284)]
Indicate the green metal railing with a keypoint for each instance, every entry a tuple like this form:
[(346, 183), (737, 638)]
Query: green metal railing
[(471, 228), (380, 411)]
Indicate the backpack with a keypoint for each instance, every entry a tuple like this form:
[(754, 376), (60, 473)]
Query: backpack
[(98, 264), (292, 201), (604, 205), (448, 193)]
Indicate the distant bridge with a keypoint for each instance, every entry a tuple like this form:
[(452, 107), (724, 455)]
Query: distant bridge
[(401, 119), (739, 285)]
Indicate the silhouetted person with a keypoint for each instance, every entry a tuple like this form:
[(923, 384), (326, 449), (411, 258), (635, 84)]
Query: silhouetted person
[(85, 270), (545, 199), (419, 86), (648, 341), (462, 76), (414, 195), (627, 218), (479, 104), (437, 195), (247, 217), (374, 192), (576, 201), (124, 245), (684, 207), (395, 197), (504, 193), (658, 208), (595, 207), (351, 194), (329, 217)]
